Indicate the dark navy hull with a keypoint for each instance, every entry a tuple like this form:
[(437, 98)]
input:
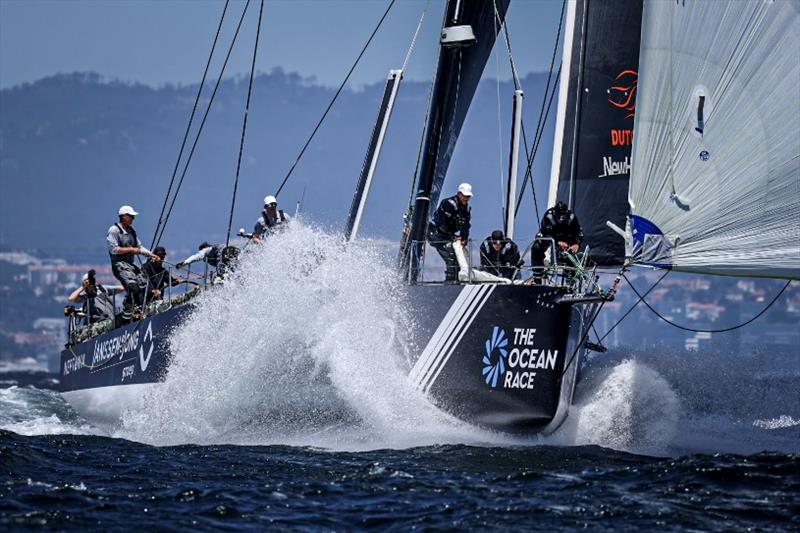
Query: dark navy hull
[(495, 355), (492, 355), (134, 354)]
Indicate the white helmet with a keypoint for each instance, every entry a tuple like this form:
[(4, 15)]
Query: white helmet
[(268, 200), (465, 189), (127, 210)]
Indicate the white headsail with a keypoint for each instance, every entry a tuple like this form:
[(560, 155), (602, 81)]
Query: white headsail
[(715, 183)]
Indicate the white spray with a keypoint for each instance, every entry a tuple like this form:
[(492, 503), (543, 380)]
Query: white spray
[(299, 347)]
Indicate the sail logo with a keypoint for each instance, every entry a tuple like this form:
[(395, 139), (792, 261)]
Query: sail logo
[(621, 137), (622, 93), (513, 365), (615, 168), (493, 370)]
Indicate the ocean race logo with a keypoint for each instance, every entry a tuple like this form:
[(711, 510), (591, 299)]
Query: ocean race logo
[(515, 366), (495, 347)]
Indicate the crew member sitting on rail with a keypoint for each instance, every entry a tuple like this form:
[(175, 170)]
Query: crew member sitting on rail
[(98, 301), (500, 256), (561, 225), (450, 223), (123, 245), (271, 220), (218, 256), (158, 276)]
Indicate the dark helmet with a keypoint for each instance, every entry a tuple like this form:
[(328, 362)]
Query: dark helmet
[(497, 236), (203, 244), (561, 207), (160, 251)]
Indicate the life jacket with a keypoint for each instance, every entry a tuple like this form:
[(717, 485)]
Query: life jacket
[(215, 255), (125, 239), (220, 254), (269, 222)]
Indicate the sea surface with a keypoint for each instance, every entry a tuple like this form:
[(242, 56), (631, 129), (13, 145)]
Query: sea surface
[(308, 424)]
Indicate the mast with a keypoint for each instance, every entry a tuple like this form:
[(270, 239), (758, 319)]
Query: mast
[(594, 127), (467, 38), (513, 165), (373, 154), (561, 111)]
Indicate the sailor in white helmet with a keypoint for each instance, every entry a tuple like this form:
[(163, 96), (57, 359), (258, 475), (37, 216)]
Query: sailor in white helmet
[(451, 222), (272, 219), (123, 245)]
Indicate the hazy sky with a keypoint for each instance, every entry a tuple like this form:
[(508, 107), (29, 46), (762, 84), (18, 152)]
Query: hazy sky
[(167, 41)]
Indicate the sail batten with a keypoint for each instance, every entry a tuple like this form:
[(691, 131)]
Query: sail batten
[(715, 186)]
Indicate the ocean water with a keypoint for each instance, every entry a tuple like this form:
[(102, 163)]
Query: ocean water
[(286, 407)]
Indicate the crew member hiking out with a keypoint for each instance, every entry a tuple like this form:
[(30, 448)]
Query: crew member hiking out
[(123, 245), (218, 256), (500, 256), (561, 225), (450, 223), (271, 220)]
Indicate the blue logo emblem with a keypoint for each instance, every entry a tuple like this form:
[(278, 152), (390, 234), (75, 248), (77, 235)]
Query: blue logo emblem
[(493, 370), (704, 155)]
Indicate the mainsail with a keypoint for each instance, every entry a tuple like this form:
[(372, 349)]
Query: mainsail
[(716, 157), (468, 36), (594, 125)]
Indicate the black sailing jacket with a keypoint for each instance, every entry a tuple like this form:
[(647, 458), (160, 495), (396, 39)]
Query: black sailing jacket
[(450, 218)]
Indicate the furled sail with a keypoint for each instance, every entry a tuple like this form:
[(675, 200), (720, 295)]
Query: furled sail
[(468, 36), (594, 124), (716, 157)]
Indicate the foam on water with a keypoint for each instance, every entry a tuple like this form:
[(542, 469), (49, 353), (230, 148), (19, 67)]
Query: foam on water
[(303, 346), (299, 348), (31, 411), (631, 407)]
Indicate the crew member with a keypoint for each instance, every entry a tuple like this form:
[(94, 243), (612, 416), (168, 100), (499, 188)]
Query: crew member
[(500, 256), (123, 245), (561, 225), (158, 276), (97, 300), (218, 256), (271, 220), (450, 223)]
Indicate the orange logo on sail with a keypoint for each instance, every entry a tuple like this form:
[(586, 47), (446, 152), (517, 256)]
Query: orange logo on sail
[(622, 94)]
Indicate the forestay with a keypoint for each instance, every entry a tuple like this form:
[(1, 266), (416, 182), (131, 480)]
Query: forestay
[(715, 185)]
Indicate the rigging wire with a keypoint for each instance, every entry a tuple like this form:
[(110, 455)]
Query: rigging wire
[(624, 316), (202, 123), (335, 96), (421, 139), (416, 34), (543, 112), (697, 330), (503, 206), (189, 125), (244, 124)]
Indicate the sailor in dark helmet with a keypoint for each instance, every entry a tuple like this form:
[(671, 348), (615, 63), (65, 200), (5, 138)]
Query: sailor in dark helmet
[(218, 256), (450, 223), (561, 225), (158, 276), (500, 256), (123, 246), (272, 219)]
